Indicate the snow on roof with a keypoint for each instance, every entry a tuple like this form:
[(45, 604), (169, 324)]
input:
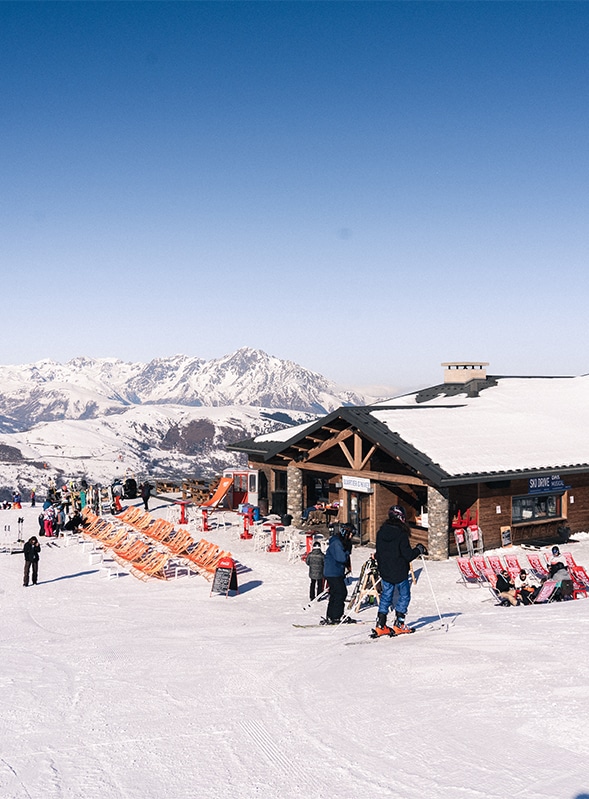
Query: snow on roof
[(518, 424), (285, 434)]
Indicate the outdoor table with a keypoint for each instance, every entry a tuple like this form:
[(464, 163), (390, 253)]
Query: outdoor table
[(273, 543), (183, 503)]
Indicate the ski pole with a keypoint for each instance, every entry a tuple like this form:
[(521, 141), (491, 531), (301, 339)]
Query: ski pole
[(432, 589)]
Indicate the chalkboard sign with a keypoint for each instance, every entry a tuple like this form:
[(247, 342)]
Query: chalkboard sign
[(506, 536), (225, 578)]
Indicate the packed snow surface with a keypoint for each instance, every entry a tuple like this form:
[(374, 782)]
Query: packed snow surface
[(118, 688)]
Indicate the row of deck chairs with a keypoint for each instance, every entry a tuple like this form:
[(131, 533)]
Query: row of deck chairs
[(152, 548), (481, 570)]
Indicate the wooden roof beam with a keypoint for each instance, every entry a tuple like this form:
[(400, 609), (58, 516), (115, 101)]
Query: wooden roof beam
[(331, 442), (346, 452), (406, 479)]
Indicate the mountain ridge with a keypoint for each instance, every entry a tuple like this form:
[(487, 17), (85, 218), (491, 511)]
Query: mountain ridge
[(103, 417)]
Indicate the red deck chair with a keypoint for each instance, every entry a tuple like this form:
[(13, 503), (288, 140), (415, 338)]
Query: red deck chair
[(580, 580), (479, 564), (537, 566), (570, 561), (546, 593), (512, 564), (467, 574), (495, 563)]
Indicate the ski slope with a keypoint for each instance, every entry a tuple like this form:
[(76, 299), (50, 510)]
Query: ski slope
[(117, 689)]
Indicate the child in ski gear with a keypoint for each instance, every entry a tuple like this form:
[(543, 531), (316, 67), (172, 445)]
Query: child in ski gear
[(335, 567), (31, 551), (314, 561), (394, 553), (506, 589)]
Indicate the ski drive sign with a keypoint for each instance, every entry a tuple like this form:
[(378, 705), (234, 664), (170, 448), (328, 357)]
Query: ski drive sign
[(549, 484)]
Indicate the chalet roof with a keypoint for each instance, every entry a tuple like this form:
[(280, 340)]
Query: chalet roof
[(497, 428)]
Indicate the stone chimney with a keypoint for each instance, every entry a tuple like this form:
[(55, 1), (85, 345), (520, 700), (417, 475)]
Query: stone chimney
[(464, 371)]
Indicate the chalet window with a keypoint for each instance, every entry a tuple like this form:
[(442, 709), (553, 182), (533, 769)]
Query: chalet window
[(535, 508)]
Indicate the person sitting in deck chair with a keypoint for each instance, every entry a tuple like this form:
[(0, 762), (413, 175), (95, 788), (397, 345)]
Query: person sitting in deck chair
[(506, 589), (556, 557), (527, 587), (564, 585)]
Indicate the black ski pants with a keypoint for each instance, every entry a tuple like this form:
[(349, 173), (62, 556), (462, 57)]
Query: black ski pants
[(315, 589), (337, 597), (28, 564)]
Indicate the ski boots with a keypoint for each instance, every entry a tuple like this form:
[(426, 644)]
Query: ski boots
[(381, 628), (399, 627)]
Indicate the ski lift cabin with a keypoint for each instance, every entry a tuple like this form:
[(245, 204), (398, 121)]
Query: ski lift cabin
[(244, 489)]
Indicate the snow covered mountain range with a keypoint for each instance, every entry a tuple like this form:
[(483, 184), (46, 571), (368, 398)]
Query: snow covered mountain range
[(103, 418)]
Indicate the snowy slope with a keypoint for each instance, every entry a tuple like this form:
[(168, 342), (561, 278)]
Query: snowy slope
[(160, 441), (118, 689)]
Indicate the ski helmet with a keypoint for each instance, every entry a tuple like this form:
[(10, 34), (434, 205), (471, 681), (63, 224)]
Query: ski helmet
[(396, 512), (555, 551)]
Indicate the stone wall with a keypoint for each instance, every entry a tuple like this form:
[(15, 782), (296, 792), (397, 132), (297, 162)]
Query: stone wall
[(294, 493), (438, 523)]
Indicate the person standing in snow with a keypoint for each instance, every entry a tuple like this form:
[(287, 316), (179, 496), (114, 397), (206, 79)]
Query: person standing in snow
[(48, 521), (31, 551), (314, 561), (394, 553), (335, 567), (145, 494)]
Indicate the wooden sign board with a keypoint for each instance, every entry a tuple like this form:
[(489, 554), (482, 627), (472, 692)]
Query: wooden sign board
[(225, 578), (506, 536)]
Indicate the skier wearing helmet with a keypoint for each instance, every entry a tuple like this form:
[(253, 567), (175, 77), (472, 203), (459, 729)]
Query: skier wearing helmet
[(394, 553), (335, 567)]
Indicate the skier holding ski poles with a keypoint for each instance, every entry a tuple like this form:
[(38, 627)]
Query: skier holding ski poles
[(394, 553)]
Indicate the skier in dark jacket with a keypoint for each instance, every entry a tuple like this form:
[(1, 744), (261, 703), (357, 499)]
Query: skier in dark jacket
[(394, 553), (335, 568), (314, 561), (145, 494), (31, 550)]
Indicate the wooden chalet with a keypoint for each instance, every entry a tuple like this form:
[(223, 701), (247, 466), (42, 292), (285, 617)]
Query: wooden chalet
[(509, 454)]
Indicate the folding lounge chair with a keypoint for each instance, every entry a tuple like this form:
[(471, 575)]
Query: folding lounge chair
[(180, 542), (467, 574), (580, 580), (546, 592), (537, 566), (581, 575), (495, 563), (152, 564), (513, 564), (570, 561), (479, 564)]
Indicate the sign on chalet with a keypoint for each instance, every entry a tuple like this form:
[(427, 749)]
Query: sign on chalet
[(508, 451)]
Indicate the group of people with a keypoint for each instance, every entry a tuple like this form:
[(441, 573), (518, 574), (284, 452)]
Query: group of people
[(393, 555), (526, 586)]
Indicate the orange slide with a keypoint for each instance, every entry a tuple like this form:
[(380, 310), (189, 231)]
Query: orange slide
[(222, 489)]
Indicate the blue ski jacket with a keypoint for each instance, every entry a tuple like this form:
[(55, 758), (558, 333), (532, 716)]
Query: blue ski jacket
[(336, 558)]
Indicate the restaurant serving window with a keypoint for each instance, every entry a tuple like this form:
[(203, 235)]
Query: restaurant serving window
[(535, 508)]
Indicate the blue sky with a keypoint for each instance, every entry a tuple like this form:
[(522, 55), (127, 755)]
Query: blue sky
[(365, 188)]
